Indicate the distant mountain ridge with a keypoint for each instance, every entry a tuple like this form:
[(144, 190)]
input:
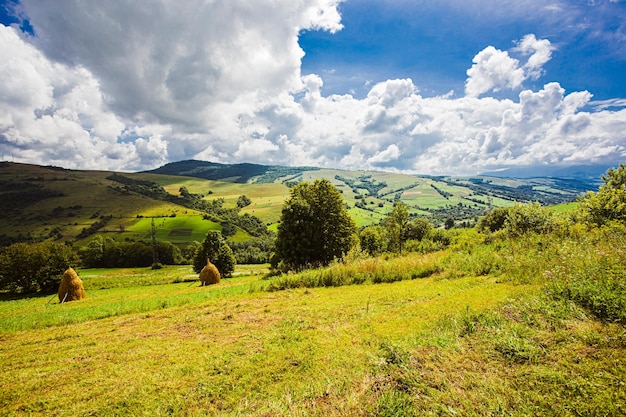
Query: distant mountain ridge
[(238, 173), (258, 173), (591, 172)]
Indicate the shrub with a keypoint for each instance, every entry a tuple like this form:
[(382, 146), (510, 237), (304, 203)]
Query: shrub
[(372, 240), (418, 229), (609, 203), (528, 218), (493, 220)]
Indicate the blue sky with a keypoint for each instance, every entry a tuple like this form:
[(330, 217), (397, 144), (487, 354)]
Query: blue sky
[(432, 43), (422, 86)]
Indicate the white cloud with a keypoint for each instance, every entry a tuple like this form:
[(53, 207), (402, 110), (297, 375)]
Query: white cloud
[(495, 70), (539, 52), (255, 150), (175, 62), (53, 113), (131, 86), (392, 153)]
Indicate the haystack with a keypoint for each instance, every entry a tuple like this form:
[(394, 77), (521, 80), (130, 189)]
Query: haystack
[(209, 274), (71, 287)]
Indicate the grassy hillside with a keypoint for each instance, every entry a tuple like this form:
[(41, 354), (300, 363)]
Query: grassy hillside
[(370, 194), (55, 203), (495, 327), (59, 203)]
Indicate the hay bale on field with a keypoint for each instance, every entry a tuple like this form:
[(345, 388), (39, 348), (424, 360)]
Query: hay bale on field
[(209, 274), (71, 287)]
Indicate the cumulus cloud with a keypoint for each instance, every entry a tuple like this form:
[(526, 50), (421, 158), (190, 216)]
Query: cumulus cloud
[(52, 112), (133, 85), (176, 61), (539, 52), (494, 70)]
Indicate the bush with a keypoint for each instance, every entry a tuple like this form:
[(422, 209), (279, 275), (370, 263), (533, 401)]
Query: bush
[(528, 218), (494, 220), (32, 268), (372, 240), (609, 203), (417, 229), (253, 251), (518, 220)]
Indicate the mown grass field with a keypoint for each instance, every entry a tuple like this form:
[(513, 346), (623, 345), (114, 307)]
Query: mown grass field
[(475, 330)]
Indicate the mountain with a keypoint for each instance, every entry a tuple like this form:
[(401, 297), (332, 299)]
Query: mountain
[(581, 172), (239, 173), (191, 197)]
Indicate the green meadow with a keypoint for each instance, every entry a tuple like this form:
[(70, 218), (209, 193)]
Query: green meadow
[(172, 229), (491, 326)]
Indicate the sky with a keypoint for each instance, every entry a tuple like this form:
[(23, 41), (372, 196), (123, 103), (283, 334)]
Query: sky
[(440, 87)]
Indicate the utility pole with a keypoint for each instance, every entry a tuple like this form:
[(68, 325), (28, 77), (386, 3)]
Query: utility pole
[(155, 252)]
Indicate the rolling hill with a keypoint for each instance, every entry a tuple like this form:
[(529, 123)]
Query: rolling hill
[(188, 198)]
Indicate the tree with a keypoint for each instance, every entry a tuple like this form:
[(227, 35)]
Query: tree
[(372, 240), (243, 201), (417, 229), (494, 220), (92, 254), (396, 226), (35, 268), (314, 228), (217, 250), (609, 203)]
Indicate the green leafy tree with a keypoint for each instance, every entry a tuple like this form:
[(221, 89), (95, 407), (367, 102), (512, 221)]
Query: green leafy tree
[(396, 225), (372, 240), (315, 226), (217, 250), (417, 229), (92, 253), (243, 201), (609, 203), (26, 268), (493, 220)]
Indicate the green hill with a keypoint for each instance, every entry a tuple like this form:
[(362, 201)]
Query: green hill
[(370, 194), (43, 202)]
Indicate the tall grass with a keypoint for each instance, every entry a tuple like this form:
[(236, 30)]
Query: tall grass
[(592, 273), (361, 271), (521, 260), (586, 267)]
